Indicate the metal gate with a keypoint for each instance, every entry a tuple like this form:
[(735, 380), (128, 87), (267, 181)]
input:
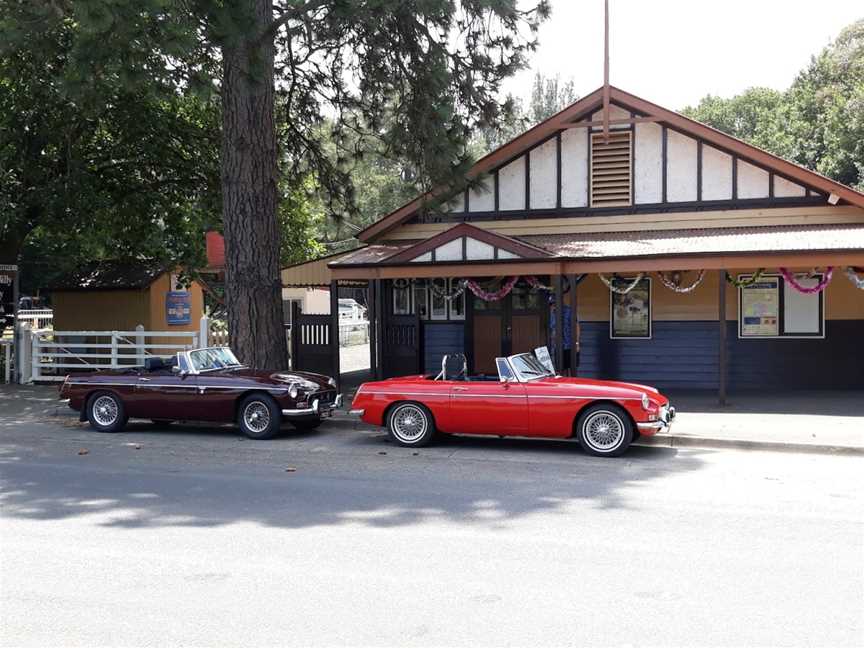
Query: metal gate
[(310, 343)]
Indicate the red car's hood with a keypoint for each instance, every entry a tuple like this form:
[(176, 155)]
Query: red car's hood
[(602, 388)]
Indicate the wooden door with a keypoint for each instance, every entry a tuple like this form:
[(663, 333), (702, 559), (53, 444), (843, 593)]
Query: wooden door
[(488, 340), (527, 333), (528, 312)]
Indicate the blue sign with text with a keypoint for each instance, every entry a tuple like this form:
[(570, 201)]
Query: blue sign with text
[(178, 307)]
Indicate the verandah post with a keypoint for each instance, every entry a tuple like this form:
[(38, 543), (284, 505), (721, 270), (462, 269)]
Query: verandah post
[(559, 324), (334, 330), (574, 326), (722, 351), (371, 315)]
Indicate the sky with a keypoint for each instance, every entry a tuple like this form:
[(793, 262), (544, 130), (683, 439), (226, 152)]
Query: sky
[(674, 52)]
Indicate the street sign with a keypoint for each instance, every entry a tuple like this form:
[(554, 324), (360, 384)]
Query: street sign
[(8, 307)]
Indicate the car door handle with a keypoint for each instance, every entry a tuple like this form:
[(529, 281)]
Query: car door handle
[(460, 389), (144, 379)]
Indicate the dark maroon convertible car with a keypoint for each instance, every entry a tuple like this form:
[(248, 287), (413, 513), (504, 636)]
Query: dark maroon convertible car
[(202, 385)]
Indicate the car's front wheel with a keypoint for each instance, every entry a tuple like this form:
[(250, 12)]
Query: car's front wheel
[(604, 430), (259, 417), (411, 425), (106, 413)]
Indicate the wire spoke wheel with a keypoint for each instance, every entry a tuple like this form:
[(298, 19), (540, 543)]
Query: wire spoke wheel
[(409, 423), (105, 411), (256, 416), (603, 430)]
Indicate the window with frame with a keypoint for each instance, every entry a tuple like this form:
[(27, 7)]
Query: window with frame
[(402, 297), (630, 313), (418, 296)]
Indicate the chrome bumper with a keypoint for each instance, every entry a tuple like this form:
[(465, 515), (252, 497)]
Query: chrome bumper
[(667, 415), (357, 412), (317, 408)]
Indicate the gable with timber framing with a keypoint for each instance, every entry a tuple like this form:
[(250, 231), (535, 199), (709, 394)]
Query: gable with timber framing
[(654, 162)]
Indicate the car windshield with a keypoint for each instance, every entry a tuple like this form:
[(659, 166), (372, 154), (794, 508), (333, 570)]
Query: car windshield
[(216, 358), (529, 367)]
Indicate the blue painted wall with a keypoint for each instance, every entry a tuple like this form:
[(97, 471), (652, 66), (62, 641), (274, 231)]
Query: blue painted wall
[(440, 339), (684, 355)]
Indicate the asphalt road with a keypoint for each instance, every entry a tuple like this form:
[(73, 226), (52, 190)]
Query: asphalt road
[(194, 536)]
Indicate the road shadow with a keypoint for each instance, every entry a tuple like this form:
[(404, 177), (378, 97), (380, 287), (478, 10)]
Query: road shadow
[(306, 479)]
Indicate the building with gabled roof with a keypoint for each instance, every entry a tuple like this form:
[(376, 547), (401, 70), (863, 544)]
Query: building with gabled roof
[(611, 189)]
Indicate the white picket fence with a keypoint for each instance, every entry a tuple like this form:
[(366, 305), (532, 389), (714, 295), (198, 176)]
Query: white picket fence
[(50, 355), (37, 318)]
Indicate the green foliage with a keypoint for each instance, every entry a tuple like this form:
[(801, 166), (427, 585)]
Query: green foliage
[(93, 169), (818, 122), (299, 217), (548, 96)]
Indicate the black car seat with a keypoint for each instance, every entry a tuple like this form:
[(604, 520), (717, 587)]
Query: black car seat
[(454, 366)]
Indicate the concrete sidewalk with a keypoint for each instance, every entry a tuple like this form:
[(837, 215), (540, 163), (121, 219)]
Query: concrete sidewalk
[(827, 423)]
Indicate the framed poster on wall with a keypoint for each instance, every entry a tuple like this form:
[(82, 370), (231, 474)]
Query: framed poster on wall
[(630, 314), (760, 308)]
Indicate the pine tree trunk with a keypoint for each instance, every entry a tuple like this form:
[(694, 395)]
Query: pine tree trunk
[(249, 193)]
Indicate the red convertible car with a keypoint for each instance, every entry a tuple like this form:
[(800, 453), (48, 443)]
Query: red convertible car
[(202, 385), (524, 399)]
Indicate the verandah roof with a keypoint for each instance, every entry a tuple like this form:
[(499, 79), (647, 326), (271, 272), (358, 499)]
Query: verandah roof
[(664, 249)]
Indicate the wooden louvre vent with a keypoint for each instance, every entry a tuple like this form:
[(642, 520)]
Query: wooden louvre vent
[(611, 169)]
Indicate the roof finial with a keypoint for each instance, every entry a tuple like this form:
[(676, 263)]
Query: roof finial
[(606, 73)]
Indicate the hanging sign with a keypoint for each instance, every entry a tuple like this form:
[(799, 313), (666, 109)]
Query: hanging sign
[(760, 308), (7, 296), (178, 308)]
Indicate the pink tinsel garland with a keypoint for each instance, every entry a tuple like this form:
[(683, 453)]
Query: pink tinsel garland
[(501, 293), (819, 287)]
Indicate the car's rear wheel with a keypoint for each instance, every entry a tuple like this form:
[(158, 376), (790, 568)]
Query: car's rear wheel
[(106, 413), (411, 425), (604, 430), (259, 417)]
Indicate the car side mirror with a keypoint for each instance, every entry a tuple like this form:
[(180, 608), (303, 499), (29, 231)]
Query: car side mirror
[(177, 370), (508, 379)]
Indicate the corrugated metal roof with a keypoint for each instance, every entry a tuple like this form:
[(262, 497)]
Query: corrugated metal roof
[(313, 273), (702, 241), (729, 240), (112, 275)]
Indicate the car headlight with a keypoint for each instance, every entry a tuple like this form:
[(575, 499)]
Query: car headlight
[(293, 391), (646, 402)]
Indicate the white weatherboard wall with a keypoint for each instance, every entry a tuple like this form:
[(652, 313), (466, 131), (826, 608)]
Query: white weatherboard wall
[(456, 204), (574, 167), (783, 188), (680, 167), (615, 112), (478, 249), (511, 185), (482, 197), (648, 164), (544, 175), (682, 183), (752, 181), (716, 174)]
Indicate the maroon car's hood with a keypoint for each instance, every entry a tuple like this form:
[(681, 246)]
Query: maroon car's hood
[(278, 377)]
